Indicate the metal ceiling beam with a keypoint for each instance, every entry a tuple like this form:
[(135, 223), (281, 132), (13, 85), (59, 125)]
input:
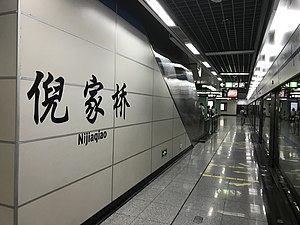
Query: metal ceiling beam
[(230, 52)]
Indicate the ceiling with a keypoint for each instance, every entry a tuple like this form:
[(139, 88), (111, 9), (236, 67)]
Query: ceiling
[(227, 32)]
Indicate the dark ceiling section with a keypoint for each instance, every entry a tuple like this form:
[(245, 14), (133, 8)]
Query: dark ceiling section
[(225, 32)]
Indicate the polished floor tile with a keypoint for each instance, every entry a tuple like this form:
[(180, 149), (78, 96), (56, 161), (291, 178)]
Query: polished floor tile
[(171, 198), (194, 216), (133, 208), (160, 213), (216, 183), (118, 219)]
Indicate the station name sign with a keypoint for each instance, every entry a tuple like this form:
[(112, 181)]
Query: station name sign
[(87, 137)]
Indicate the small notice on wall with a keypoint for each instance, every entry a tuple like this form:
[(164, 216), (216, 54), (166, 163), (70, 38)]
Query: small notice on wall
[(164, 153)]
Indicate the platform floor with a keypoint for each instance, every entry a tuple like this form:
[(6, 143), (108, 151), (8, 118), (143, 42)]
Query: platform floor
[(215, 183)]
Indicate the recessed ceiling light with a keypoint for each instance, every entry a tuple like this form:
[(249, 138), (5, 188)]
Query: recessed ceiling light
[(159, 10), (206, 64), (192, 48)]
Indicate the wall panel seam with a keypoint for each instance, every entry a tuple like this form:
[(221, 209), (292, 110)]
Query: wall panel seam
[(27, 78), (153, 146), (17, 119), (7, 206), (179, 135), (8, 13), (64, 186), (132, 156), (140, 63), (65, 31), (8, 77), (7, 142), (63, 135)]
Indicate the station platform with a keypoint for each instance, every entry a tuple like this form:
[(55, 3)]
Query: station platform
[(217, 182)]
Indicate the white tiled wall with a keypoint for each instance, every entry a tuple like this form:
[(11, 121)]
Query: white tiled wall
[(131, 140), (8, 37), (133, 44), (6, 216), (7, 109), (157, 159), (178, 144), (50, 164), (77, 17), (60, 57), (129, 172), (8, 5), (140, 110), (70, 205), (73, 99), (7, 174), (137, 77), (160, 87), (162, 131), (162, 108), (61, 182)]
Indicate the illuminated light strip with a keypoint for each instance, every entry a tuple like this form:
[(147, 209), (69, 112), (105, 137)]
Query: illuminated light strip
[(236, 167), (229, 178), (232, 213), (241, 172), (242, 164), (159, 10), (240, 185), (192, 48), (234, 74)]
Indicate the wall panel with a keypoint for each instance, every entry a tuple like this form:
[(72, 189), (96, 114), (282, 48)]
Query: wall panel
[(131, 140), (80, 18), (7, 174), (162, 108), (157, 159), (7, 109), (8, 5), (178, 127), (6, 216), (8, 42), (178, 144), (130, 172), (50, 164), (70, 205), (74, 99), (160, 88), (140, 110), (65, 56), (133, 44), (138, 78), (162, 131)]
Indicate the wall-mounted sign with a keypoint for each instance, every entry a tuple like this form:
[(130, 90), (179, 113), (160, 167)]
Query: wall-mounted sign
[(228, 84), (53, 94), (293, 84), (86, 137), (232, 93), (164, 153)]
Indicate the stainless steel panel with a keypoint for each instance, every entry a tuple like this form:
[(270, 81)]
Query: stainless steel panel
[(183, 91)]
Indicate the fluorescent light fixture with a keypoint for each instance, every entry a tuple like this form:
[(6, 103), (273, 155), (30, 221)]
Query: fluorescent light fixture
[(234, 74), (219, 79), (214, 73), (159, 10), (192, 48), (200, 72), (206, 64), (209, 87)]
